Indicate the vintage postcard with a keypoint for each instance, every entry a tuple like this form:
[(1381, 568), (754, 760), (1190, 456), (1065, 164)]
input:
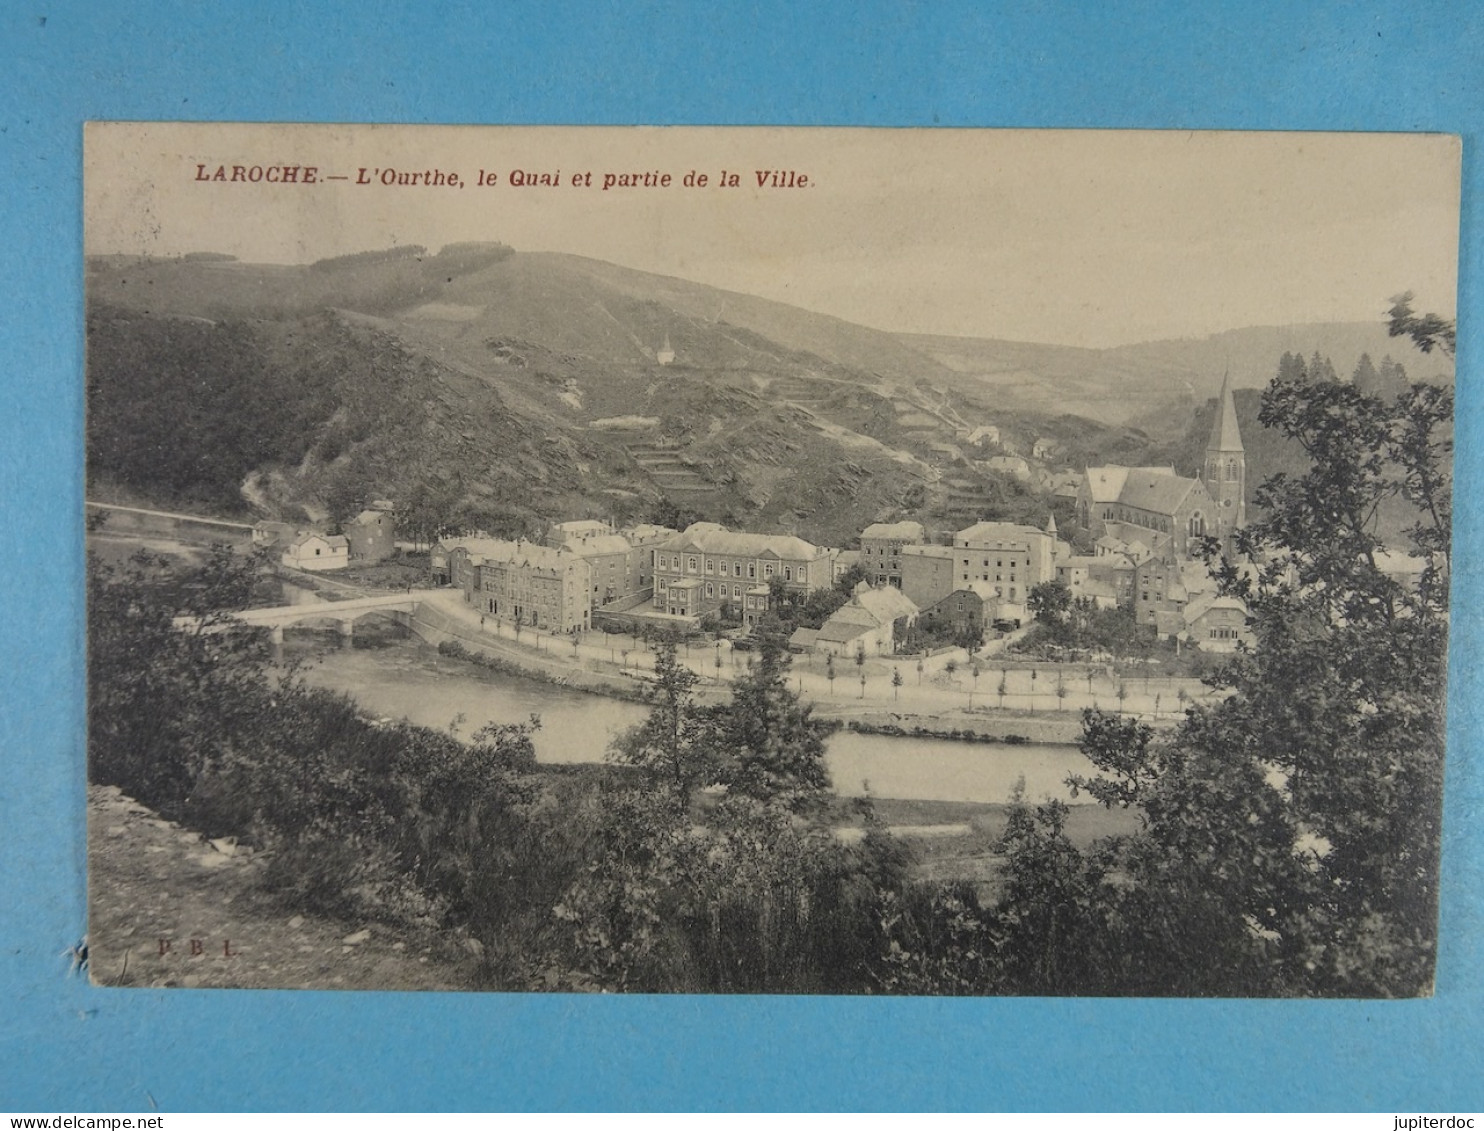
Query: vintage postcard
[(767, 560)]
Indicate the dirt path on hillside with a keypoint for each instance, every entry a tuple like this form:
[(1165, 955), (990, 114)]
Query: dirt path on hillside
[(154, 887)]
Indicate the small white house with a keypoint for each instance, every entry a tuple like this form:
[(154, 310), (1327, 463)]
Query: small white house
[(317, 552)]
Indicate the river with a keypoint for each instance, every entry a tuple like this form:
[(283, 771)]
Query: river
[(408, 679)]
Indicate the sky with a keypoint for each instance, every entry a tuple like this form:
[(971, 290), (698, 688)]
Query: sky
[(1088, 238)]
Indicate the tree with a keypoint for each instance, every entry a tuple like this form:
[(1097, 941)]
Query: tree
[(767, 744), (1321, 369), (847, 581), (1289, 828), (1291, 367), (164, 703), (668, 743), (1049, 602), (1428, 331), (896, 682), (1365, 378), (829, 670)]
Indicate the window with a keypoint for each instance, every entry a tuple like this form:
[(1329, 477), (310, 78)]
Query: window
[(736, 569), (788, 573), (709, 588), (710, 565), (802, 574), (752, 569), (768, 570), (690, 564)]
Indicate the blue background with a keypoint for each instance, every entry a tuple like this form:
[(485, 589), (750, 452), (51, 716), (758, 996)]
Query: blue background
[(65, 1045)]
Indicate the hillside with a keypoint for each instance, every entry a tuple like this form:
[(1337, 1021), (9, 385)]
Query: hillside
[(495, 391), (481, 387)]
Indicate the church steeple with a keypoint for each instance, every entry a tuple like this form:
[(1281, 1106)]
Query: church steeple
[(1226, 464), (1225, 435)]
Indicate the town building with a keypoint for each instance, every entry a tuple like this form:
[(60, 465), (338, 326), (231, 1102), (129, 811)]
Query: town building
[(370, 535), (523, 583), (1212, 623), (967, 609), (316, 552), (1012, 555), (927, 574), (267, 533), (608, 554), (643, 539), (1106, 580), (844, 559), (984, 436), (869, 622), (881, 550), (1164, 585), (1009, 464), (708, 566)]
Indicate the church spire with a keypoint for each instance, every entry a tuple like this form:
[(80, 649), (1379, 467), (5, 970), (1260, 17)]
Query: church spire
[(1226, 465), (1225, 435)]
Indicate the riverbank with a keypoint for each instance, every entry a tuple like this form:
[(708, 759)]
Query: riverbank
[(463, 637)]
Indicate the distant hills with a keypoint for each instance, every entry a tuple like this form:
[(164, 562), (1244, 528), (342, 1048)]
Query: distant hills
[(495, 388), (1138, 383)]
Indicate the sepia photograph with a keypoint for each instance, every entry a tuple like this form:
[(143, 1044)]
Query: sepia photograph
[(767, 560)]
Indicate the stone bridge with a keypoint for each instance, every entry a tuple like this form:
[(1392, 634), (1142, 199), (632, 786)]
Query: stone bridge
[(344, 613)]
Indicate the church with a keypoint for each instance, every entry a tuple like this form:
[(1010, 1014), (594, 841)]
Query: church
[(1167, 513)]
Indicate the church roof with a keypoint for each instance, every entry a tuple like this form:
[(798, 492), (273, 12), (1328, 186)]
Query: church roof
[(1158, 492), (1225, 435)]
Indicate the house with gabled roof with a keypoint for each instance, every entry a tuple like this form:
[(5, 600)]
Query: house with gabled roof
[(868, 622), (316, 552)]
